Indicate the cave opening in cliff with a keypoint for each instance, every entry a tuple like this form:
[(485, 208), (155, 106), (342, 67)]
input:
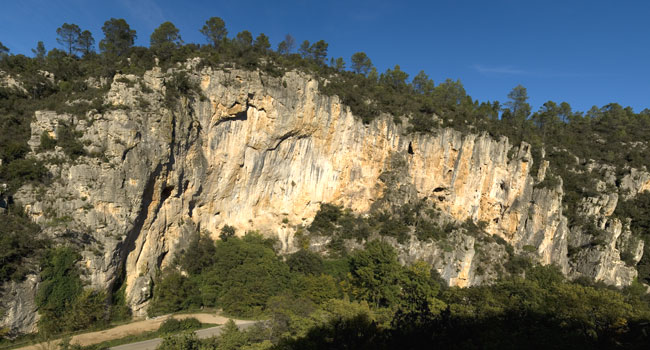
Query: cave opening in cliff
[(166, 192), (410, 150)]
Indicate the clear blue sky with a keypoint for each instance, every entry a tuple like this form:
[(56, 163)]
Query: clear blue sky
[(583, 52)]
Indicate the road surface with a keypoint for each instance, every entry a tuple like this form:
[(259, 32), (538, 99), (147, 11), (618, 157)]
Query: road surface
[(132, 328), (152, 344)]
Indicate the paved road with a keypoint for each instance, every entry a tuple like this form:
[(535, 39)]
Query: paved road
[(152, 344), (133, 328)]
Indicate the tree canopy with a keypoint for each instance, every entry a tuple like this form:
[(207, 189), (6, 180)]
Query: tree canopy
[(214, 31), (361, 63), (517, 107), (3, 50), (39, 52), (118, 37), (85, 43), (165, 35), (286, 46), (68, 36), (244, 39)]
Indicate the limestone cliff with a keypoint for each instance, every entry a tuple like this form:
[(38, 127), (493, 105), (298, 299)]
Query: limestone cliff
[(262, 153)]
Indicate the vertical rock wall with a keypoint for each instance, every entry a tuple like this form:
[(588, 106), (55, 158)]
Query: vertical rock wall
[(256, 150)]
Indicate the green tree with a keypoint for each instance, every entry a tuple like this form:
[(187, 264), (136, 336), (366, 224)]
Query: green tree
[(245, 274), (183, 341), (262, 43), (318, 288), (422, 84), (173, 292), (165, 34), (517, 106), (303, 50), (547, 116), (231, 338), (395, 78), (318, 51), (565, 112), (361, 63), (305, 262), (18, 242), (4, 51), (68, 36), (247, 287), (325, 218), (60, 286), (199, 255), (227, 231), (375, 273), (165, 39), (85, 43), (287, 45), (373, 75), (88, 309), (118, 37), (338, 64), (214, 31), (244, 39), (449, 94), (68, 138), (418, 304), (39, 52)]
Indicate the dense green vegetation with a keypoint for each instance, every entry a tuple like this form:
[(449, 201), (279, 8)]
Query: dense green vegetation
[(378, 303), (63, 302), (238, 275), (420, 218), (173, 325), (18, 243)]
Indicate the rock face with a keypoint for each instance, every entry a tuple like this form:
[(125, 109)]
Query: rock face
[(255, 150), (18, 306)]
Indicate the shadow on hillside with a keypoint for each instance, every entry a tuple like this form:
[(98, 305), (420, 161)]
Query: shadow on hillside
[(507, 332)]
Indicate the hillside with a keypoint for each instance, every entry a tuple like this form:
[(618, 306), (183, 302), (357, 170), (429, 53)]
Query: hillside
[(116, 171)]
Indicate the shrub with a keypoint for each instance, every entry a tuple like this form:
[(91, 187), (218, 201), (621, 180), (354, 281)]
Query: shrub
[(173, 292), (517, 264), (47, 142), (68, 139), (430, 231), (305, 262), (183, 341), (19, 240), (529, 249), (60, 287), (200, 254), (173, 325), (325, 219), (21, 171)]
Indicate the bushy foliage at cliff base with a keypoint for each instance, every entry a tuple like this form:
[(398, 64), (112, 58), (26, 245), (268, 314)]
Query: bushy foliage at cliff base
[(20, 245), (369, 300), (64, 303)]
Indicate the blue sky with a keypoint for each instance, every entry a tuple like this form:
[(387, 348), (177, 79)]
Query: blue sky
[(583, 52)]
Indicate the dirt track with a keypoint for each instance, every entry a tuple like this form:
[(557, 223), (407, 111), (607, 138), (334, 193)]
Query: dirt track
[(121, 331)]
